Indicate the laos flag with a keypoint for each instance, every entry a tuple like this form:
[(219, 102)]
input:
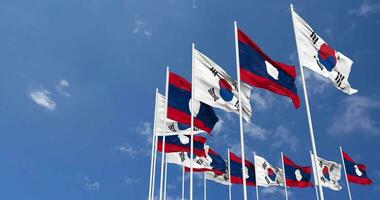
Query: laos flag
[(181, 143), (296, 176), (236, 171), (258, 70), (179, 105), (356, 173)]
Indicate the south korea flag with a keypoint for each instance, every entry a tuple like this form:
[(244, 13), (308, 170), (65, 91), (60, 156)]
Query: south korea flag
[(184, 159), (216, 88), (329, 173), (315, 54), (266, 174)]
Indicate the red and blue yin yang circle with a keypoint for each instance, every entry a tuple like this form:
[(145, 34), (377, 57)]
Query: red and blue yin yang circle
[(326, 173), (271, 174), (326, 56), (225, 90)]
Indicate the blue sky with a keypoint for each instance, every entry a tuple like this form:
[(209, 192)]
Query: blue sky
[(78, 78)]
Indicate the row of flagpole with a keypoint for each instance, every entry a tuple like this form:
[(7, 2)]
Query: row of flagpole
[(163, 173)]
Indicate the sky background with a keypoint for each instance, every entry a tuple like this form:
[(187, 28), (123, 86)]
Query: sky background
[(77, 86)]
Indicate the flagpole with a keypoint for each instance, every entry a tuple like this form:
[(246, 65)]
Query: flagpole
[(345, 173), (183, 182), (192, 122), (240, 111), (151, 185), (314, 176), (229, 175), (257, 187), (163, 137), (283, 167), (154, 166), (204, 186), (166, 177), (314, 148)]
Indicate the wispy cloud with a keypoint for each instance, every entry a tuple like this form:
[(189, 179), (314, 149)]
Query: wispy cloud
[(274, 191), (130, 180), (283, 137), (316, 84), (194, 4), (366, 8), (262, 100), (355, 114), (41, 97), (62, 85), (145, 129), (127, 149), (218, 127), (255, 131), (141, 27), (91, 185)]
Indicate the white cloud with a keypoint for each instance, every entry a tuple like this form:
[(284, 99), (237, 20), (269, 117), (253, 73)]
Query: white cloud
[(142, 28), (283, 137), (41, 97), (129, 180), (127, 149), (255, 131), (366, 8), (62, 84), (274, 191), (145, 129), (355, 115), (91, 185), (329, 33), (218, 127), (262, 100)]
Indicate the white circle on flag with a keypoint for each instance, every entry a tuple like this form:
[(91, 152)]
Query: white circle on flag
[(298, 175), (357, 171)]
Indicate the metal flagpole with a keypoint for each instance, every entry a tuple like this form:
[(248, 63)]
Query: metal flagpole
[(192, 122), (283, 167), (204, 186), (229, 175), (166, 177), (314, 148), (163, 137), (314, 176), (154, 166), (183, 182), (240, 111), (257, 187), (345, 173), (151, 185)]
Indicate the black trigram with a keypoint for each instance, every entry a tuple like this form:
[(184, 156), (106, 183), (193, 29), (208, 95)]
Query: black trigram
[(265, 165), (314, 37), (199, 162), (212, 93), (172, 128), (237, 105), (339, 79), (267, 180), (182, 156), (214, 71)]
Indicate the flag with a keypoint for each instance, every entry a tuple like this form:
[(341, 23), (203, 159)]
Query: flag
[(329, 173), (218, 171), (181, 143), (217, 89), (315, 54), (236, 171), (172, 127), (356, 173), (179, 105), (296, 176), (266, 174), (258, 70), (183, 159)]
